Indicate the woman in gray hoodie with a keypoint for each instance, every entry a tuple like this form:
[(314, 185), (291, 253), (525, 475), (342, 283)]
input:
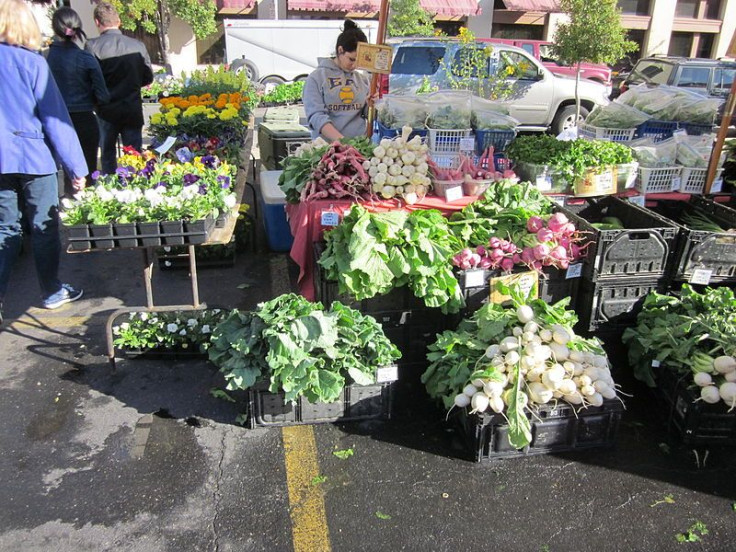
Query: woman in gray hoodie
[(335, 95)]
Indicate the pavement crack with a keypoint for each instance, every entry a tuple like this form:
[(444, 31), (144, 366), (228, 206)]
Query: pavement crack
[(217, 493)]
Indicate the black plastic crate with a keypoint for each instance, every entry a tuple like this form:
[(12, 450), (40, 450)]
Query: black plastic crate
[(554, 285), (218, 256), (613, 305), (412, 331), (700, 250), (356, 402), (695, 423), (645, 247), (555, 428)]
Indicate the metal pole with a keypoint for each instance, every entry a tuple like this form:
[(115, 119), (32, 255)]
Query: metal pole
[(715, 154), (380, 39)]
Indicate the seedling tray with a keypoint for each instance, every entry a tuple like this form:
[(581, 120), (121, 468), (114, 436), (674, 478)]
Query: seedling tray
[(555, 428), (643, 248)]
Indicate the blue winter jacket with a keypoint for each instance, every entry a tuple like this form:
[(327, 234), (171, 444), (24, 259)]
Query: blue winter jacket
[(78, 75), (34, 123)]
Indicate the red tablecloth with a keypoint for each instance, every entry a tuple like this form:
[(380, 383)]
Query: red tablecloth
[(305, 220)]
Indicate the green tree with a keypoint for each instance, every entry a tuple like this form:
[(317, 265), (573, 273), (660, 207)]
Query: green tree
[(154, 16), (408, 18), (593, 34)]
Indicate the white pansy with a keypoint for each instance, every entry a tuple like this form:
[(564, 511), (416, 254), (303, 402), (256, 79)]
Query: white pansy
[(191, 322), (104, 194), (144, 316), (67, 203), (153, 196), (124, 326), (171, 328), (190, 192), (183, 332), (230, 201), (206, 329)]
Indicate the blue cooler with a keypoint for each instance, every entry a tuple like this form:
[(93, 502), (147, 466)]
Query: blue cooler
[(273, 202)]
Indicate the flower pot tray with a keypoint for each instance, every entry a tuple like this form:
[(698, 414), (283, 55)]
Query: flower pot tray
[(84, 237)]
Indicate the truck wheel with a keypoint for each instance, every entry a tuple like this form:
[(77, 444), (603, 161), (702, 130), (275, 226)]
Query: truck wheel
[(273, 79), (565, 118), (240, 65)]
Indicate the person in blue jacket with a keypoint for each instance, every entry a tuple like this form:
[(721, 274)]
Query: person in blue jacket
[(79, 77), (335, 95), (35, 132)]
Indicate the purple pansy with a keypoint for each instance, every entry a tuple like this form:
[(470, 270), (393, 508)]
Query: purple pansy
[(184, 155)]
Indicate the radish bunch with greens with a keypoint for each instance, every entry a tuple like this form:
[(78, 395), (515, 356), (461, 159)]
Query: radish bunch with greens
[(511, 360)]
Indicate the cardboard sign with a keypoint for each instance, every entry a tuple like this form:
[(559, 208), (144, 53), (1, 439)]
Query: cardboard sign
[(527, 281), (375, 58)]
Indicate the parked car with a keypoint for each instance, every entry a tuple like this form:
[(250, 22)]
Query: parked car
[(710, 76), (542, 50), (540, 100)]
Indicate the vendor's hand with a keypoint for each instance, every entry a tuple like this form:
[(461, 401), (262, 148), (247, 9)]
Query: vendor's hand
[(79, 183), (371, 100)]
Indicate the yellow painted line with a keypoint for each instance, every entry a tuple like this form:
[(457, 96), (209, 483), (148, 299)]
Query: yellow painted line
[(51, 321), (308, 517)]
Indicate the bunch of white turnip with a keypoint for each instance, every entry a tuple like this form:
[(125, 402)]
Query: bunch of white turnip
[(398, 168), (716, 378), (550, 370)]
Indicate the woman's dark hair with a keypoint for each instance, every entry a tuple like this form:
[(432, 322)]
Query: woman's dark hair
[(350, 36), (67, 24)]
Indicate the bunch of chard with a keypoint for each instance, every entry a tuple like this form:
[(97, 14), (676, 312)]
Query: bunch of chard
[(339, 175)]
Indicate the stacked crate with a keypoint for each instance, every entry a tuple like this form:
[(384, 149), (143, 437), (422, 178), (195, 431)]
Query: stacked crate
[(622, 266)]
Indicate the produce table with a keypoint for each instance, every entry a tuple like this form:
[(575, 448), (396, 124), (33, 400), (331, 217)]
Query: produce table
[(306, 227), (218, 236)]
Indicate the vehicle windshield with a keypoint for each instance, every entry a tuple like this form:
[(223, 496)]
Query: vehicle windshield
[(652, 72), (417, 60)]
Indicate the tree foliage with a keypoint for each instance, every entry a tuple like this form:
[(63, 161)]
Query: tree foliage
[(408, 18), (593, 33), (154, 16)]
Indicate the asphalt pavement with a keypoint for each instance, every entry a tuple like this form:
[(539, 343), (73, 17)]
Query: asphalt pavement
[(145, 458)]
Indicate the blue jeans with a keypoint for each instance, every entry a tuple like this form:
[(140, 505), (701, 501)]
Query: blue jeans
[(41, 208), (109, 132)]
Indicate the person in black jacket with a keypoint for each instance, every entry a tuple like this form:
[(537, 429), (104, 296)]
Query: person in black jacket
[(80, 80), (126, 67)]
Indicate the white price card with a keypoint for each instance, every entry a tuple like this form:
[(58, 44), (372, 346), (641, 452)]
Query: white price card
[(639, 200), (655, 363), (167, 145), (574, 271), (329, 218), (701, 276), (454, 193), (475, 278), (387, 374), (676, 183), (717, 186), (544, 183), (467, 144)]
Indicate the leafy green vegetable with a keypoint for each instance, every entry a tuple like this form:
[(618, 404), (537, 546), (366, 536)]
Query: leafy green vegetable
[(693, 534), (303, 349), (369, 254), (318, 479), (381, 515), (343, 454), (671, 330)]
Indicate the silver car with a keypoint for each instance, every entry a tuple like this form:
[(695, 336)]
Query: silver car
[(540, 100)]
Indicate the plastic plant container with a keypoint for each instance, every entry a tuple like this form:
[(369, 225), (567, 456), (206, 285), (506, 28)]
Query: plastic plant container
[(385, 132), (448, 190), (657, 180), (555, 428), (591, 132), (696, 129), (644, 247), (657, 130)]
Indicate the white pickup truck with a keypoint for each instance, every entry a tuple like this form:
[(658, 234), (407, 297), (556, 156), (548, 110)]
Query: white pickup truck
[(277, 51)]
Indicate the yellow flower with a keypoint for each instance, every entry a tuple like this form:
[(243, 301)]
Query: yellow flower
[(156, 118)]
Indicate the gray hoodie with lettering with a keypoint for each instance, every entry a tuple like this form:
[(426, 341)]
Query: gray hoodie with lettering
[(332, 95)]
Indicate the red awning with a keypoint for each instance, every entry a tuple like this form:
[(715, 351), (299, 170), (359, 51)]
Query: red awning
[(451, 7), (235, 4), (360, 6), (439, 7), (532, 5)]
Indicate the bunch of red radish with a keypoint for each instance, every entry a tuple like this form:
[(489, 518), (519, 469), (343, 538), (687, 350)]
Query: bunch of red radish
[(551, 243)]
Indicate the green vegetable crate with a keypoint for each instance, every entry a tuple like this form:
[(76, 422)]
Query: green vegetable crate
[(702, 256), (694, 423), (555, 428), (356, 402), (644, 246)]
